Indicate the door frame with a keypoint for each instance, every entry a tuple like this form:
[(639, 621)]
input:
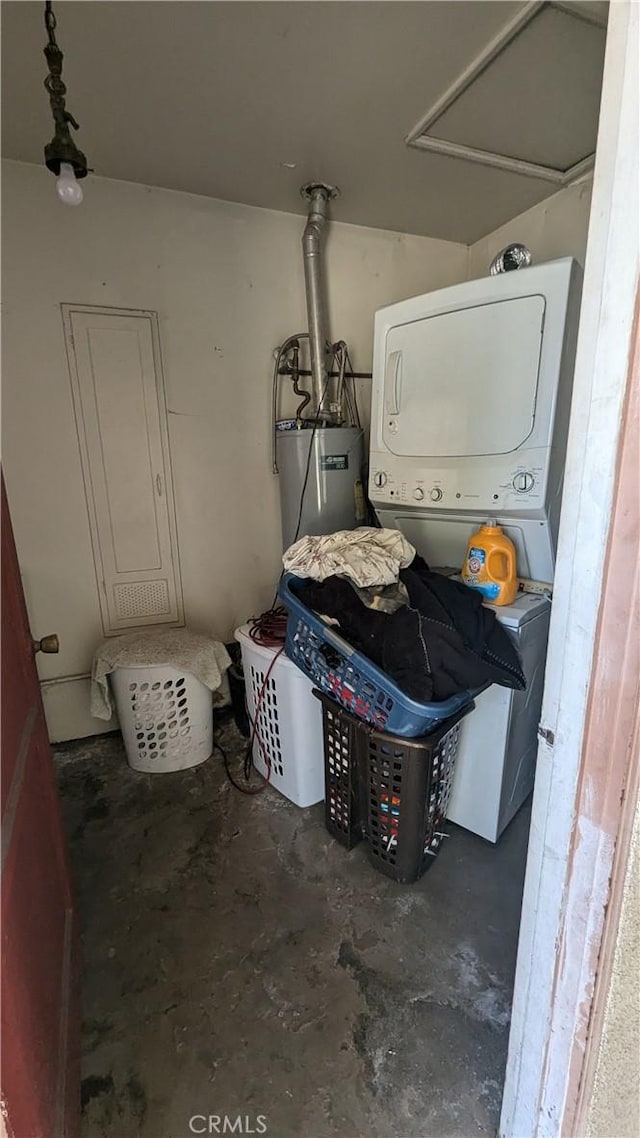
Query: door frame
[(586, 782)]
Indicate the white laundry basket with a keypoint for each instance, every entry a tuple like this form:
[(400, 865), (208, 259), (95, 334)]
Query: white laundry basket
[(289, 722), (165, 716)]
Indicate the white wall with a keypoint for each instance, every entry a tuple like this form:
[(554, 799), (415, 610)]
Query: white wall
[(227, 283), (554, 228)]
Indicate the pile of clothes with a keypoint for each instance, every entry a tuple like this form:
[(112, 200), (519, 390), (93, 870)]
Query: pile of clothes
[(431, 633)]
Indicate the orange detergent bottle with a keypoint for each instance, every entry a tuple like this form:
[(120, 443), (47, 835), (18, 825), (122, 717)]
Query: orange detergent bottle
[(490, 564)]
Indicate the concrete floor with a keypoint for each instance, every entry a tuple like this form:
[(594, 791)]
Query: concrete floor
[(239, 962)]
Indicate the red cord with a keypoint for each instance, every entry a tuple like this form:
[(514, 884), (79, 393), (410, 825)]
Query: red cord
[(269, 630), (255, 734)]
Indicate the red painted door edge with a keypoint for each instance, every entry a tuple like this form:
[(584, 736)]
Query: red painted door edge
[(40, 1071)]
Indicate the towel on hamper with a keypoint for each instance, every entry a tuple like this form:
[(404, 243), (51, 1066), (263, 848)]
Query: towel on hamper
[(205, 658)]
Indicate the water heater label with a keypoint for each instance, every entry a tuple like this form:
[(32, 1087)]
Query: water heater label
[(334, 462)]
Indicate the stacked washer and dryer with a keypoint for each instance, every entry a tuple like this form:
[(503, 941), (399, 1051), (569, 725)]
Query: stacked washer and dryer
[(469, 419)]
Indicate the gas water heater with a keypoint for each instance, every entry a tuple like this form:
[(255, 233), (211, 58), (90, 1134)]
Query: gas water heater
[(320, 481), (319, 455)]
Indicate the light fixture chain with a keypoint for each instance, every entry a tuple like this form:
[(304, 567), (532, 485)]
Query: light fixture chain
[(50, 21), (62, 149)]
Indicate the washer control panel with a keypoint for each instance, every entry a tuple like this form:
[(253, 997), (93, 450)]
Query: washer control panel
[(523, 482), (463, 488)]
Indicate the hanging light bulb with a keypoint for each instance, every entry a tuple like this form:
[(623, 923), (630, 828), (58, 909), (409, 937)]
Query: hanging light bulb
[(67, 185), (61, 155)]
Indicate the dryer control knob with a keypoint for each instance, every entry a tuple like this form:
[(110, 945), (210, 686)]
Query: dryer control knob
[(418, 493), (523, 482), (436, 494), (380, 479)]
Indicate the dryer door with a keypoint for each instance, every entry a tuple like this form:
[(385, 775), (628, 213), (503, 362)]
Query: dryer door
[(463, 383)]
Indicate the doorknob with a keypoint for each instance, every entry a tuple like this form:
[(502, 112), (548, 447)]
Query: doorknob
[(48, 644)]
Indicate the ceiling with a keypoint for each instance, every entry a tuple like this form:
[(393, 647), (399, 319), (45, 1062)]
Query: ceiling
[(246, 101)]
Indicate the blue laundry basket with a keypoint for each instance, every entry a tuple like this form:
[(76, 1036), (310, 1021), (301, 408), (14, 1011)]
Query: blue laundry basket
[(352, 679)]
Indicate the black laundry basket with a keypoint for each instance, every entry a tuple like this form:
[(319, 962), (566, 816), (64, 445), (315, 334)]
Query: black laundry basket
[(344, 805), (386, 788)]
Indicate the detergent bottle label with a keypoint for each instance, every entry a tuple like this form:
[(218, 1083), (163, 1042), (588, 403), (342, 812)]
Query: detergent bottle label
[(477, 560), (476, 569)]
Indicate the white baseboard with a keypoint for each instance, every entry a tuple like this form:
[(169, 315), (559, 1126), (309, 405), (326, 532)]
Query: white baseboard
[(66, 708)]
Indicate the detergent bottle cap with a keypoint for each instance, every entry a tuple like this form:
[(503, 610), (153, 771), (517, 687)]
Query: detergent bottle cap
[(491, 523)]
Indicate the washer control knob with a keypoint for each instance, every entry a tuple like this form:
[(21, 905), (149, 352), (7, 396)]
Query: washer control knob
[(380, 479), (523, 482), (436, 494), (418, 493)]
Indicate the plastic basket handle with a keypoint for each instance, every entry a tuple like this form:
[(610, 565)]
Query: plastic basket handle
[(330, 655), (338, 642)]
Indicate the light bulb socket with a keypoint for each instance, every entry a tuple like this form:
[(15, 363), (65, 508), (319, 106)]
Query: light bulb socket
[(61, 150)]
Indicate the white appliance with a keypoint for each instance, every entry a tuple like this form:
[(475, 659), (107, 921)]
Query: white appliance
[(470, 411), (496, 759), (471, 396)]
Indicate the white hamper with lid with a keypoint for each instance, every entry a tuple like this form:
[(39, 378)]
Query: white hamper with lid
[(289, 722), (165, 716)]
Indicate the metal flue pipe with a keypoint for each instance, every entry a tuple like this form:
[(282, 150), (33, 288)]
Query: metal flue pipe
[(318, 195)]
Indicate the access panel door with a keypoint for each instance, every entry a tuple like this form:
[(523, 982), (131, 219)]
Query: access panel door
[(463, 383), (118, 393)]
